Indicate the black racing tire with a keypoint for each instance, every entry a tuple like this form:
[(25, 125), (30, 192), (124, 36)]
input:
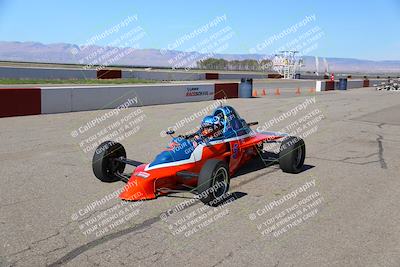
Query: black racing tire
[(104, 167), (212, 172), (292, 154)]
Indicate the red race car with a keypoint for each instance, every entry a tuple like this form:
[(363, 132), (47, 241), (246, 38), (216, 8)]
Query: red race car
[(202, 162)]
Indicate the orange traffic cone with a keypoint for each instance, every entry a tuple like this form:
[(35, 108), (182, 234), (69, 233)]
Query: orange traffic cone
[(277, 91), (298, 91), (312, 90), (264, 93), (254, 93)]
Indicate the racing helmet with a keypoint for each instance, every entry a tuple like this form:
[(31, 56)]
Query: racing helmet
[(211, 125)]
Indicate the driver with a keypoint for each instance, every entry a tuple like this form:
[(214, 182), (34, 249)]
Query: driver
[(211, 127)]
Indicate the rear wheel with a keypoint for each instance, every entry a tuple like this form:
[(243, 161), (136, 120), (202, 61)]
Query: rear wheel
[(213, 180), (292, 154), (104, 164)]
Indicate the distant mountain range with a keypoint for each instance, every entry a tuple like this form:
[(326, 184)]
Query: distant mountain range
[(97, 55)]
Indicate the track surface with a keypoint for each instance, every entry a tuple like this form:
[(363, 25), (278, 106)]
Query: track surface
[(46, 179)]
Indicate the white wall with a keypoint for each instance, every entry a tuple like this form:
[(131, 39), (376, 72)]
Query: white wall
[(80, 98), (320, 86), (45, 73), (355, 84), (160, 75), (238, 76), (56, 100)]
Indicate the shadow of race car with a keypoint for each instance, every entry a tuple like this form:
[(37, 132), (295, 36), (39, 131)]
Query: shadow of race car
[(198, 162)]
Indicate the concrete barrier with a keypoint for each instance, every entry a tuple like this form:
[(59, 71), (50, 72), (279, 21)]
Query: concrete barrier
[(46, 73), (376, 82), (109, 74), (211, 76), (274, 76), (80, 73), (47, 100), (320, 86), (226, 90), (330, 85), (56, 100), (268, 87), (82, 98), (20, 102), (238, 76), (351, 84), (159, 75), (168, 75), (326, 85)]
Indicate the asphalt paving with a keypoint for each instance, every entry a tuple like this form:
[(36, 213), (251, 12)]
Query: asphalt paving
[(341, 210)]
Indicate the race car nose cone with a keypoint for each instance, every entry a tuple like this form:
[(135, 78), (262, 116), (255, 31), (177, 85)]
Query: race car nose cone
[(137, 189)]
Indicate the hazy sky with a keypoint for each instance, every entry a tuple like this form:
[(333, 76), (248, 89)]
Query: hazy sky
[(356, 29)]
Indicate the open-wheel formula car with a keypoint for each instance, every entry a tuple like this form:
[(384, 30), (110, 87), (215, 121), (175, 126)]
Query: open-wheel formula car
[(202, 162)]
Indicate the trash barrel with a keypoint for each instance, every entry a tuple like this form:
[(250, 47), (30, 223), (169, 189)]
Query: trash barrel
[(246, 88), (342, 84)]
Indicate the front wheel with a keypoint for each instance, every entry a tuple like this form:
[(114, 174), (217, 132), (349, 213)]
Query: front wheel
[(292, 154), (104, 164), (213, 180)]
